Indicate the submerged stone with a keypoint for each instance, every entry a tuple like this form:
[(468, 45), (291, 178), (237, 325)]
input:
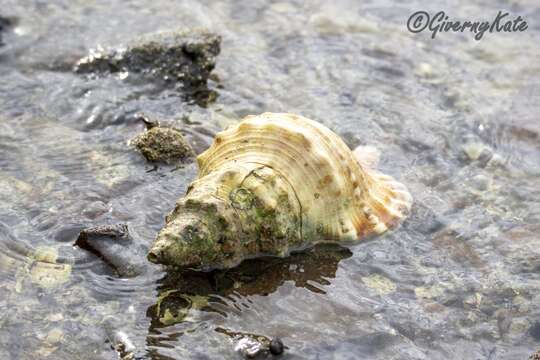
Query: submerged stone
[(160, 144), (46, 254), (252, 345), (185, 57), (422, 292), (380, 284), (113, 244), (534, 331), (276, 346), (41, 269), (50, 275), (477, 151), (4, 24)]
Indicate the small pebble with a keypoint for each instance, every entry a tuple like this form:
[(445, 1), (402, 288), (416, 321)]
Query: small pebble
[(473, 150), (424, 70), (534, 331), (95, 209), (276, 346), (481, 182)]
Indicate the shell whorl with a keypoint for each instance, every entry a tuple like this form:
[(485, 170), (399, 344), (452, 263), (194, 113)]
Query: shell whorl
[(339, 198)]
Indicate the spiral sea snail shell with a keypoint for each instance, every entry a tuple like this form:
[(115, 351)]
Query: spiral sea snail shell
[(273, 184)]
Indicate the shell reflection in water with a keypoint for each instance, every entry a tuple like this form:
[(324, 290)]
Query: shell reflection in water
[(185, 291)]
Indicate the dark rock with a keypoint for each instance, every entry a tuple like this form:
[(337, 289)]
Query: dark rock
[(116, 231), (276, 346), (160, 144), (113, 244), (185, 57)]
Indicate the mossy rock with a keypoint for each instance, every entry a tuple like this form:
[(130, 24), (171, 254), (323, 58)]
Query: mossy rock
[(185, 57), (165, 145)]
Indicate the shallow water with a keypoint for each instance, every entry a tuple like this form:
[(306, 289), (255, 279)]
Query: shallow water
[(455, 120)]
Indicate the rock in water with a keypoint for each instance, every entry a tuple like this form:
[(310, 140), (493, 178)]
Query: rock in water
[(276, 346), (114, 245), (160, 144), (4, 24), (276, 183), (180, 57)]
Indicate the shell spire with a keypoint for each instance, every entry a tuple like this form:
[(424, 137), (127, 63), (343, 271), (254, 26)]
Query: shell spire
[(276, 183)]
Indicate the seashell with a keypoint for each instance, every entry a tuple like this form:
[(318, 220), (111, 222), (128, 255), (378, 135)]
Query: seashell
[(273, 184)]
